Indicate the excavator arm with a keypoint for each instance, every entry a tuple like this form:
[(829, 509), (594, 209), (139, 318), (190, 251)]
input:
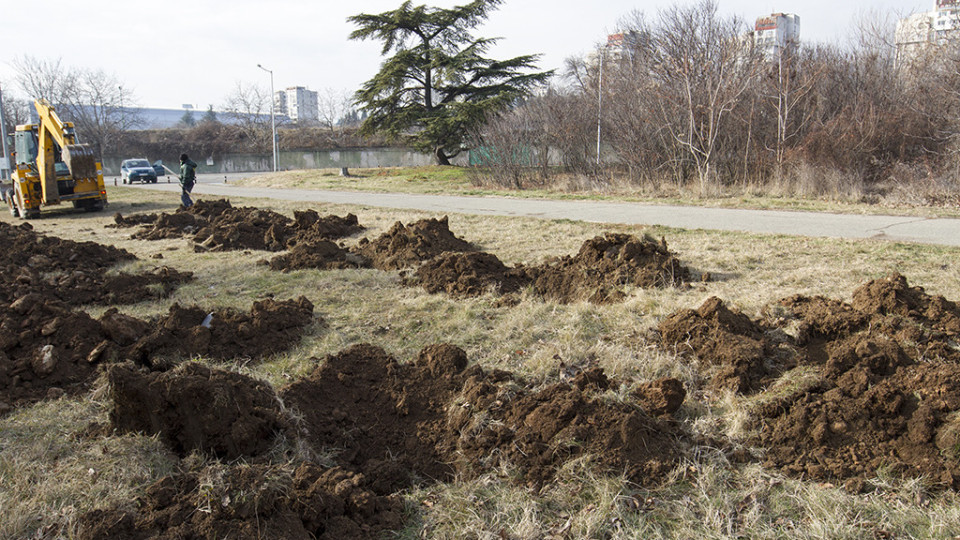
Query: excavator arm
[(79, 158)]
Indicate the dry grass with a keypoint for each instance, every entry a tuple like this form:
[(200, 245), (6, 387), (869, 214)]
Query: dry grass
[(808, 190), (45, 467)]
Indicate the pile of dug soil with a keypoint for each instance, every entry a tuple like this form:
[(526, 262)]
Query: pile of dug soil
[(605, 265), (47, 349), (469, 275), (435, 418), (305, 502), (74, 272), (216, 225), (317, 254), (598, 274), (889, 394), (271, 326), (492, 422), (405, 246), (311, 227), (192, 407), (736, 352)]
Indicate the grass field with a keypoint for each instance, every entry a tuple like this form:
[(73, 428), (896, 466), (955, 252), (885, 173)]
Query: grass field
[(465, 181), (48, 474)]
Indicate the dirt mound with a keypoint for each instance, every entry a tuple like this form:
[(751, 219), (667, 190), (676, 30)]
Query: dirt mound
[(245, 228), (192, 407), (45, 350), (123, 222), (889, 392), (319, 254), (604, 265), (216, 225), (74, 272), (271, 326), (405, 246), (732, 349), (381, 415), (251, 501), (894, 296), (492, 423), (311, 227), (597, 274), (468, 274), (435, 418)]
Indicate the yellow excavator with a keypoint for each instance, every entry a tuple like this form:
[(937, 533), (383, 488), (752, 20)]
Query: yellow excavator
[(51, 167)]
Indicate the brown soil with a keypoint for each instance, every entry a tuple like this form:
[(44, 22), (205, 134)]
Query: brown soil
[(435, 418), (492, 422), (599, 273), (318, 254), (216, 225), (305, 502), (733, 350), (889, 390), (406, 246), (74, 272), (47, 349), (192, 407), (468, 274), (271, 326), (604, 266)]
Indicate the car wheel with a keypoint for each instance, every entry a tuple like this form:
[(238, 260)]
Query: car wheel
[(14, 211)]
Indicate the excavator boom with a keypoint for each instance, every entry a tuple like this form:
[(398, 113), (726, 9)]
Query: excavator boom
[(52, 166)]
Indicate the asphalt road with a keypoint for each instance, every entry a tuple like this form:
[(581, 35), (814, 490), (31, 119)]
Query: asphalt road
[(941, 231)]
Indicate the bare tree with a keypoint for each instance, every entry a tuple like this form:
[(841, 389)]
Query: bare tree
[(334, 105), (249, 107), (701, 60), (44, 79), (91, 99)]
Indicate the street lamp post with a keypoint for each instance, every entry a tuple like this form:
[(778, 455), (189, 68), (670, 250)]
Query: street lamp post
[(273, 122)]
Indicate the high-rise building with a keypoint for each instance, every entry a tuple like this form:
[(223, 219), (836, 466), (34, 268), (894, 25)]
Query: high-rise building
[(299, 104), (777, 34), (921, 31)]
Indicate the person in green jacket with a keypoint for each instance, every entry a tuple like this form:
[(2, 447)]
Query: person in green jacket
[(188, 177)]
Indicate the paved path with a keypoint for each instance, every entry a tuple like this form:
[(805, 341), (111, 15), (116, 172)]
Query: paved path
[(942, 231)]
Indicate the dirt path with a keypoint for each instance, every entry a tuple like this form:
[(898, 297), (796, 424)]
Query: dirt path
[(941, 231)]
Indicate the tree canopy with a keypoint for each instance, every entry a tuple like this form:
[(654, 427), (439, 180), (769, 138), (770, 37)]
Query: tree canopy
[(436, 84)]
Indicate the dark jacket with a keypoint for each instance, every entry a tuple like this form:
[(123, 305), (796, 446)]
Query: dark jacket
[(188, 172)]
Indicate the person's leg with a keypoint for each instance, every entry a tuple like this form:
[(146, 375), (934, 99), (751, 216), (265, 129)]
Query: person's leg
[(185, 199)]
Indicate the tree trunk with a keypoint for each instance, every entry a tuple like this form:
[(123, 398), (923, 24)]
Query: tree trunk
[(442, 158)]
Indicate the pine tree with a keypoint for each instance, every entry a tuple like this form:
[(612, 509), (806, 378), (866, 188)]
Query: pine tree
[(437, 86)]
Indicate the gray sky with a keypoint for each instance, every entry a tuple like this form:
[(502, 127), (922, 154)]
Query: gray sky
[(179, 51)]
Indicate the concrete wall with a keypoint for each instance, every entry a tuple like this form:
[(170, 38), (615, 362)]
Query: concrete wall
[(291, 160)]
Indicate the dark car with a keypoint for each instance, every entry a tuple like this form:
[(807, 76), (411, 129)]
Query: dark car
[(137, 170), (159, 168)]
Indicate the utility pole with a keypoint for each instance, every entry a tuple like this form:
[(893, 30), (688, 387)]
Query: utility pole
[(5, 166), (273, 122), (603, 52)]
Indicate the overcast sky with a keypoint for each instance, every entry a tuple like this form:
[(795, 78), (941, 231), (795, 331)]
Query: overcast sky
[(196, 51)]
